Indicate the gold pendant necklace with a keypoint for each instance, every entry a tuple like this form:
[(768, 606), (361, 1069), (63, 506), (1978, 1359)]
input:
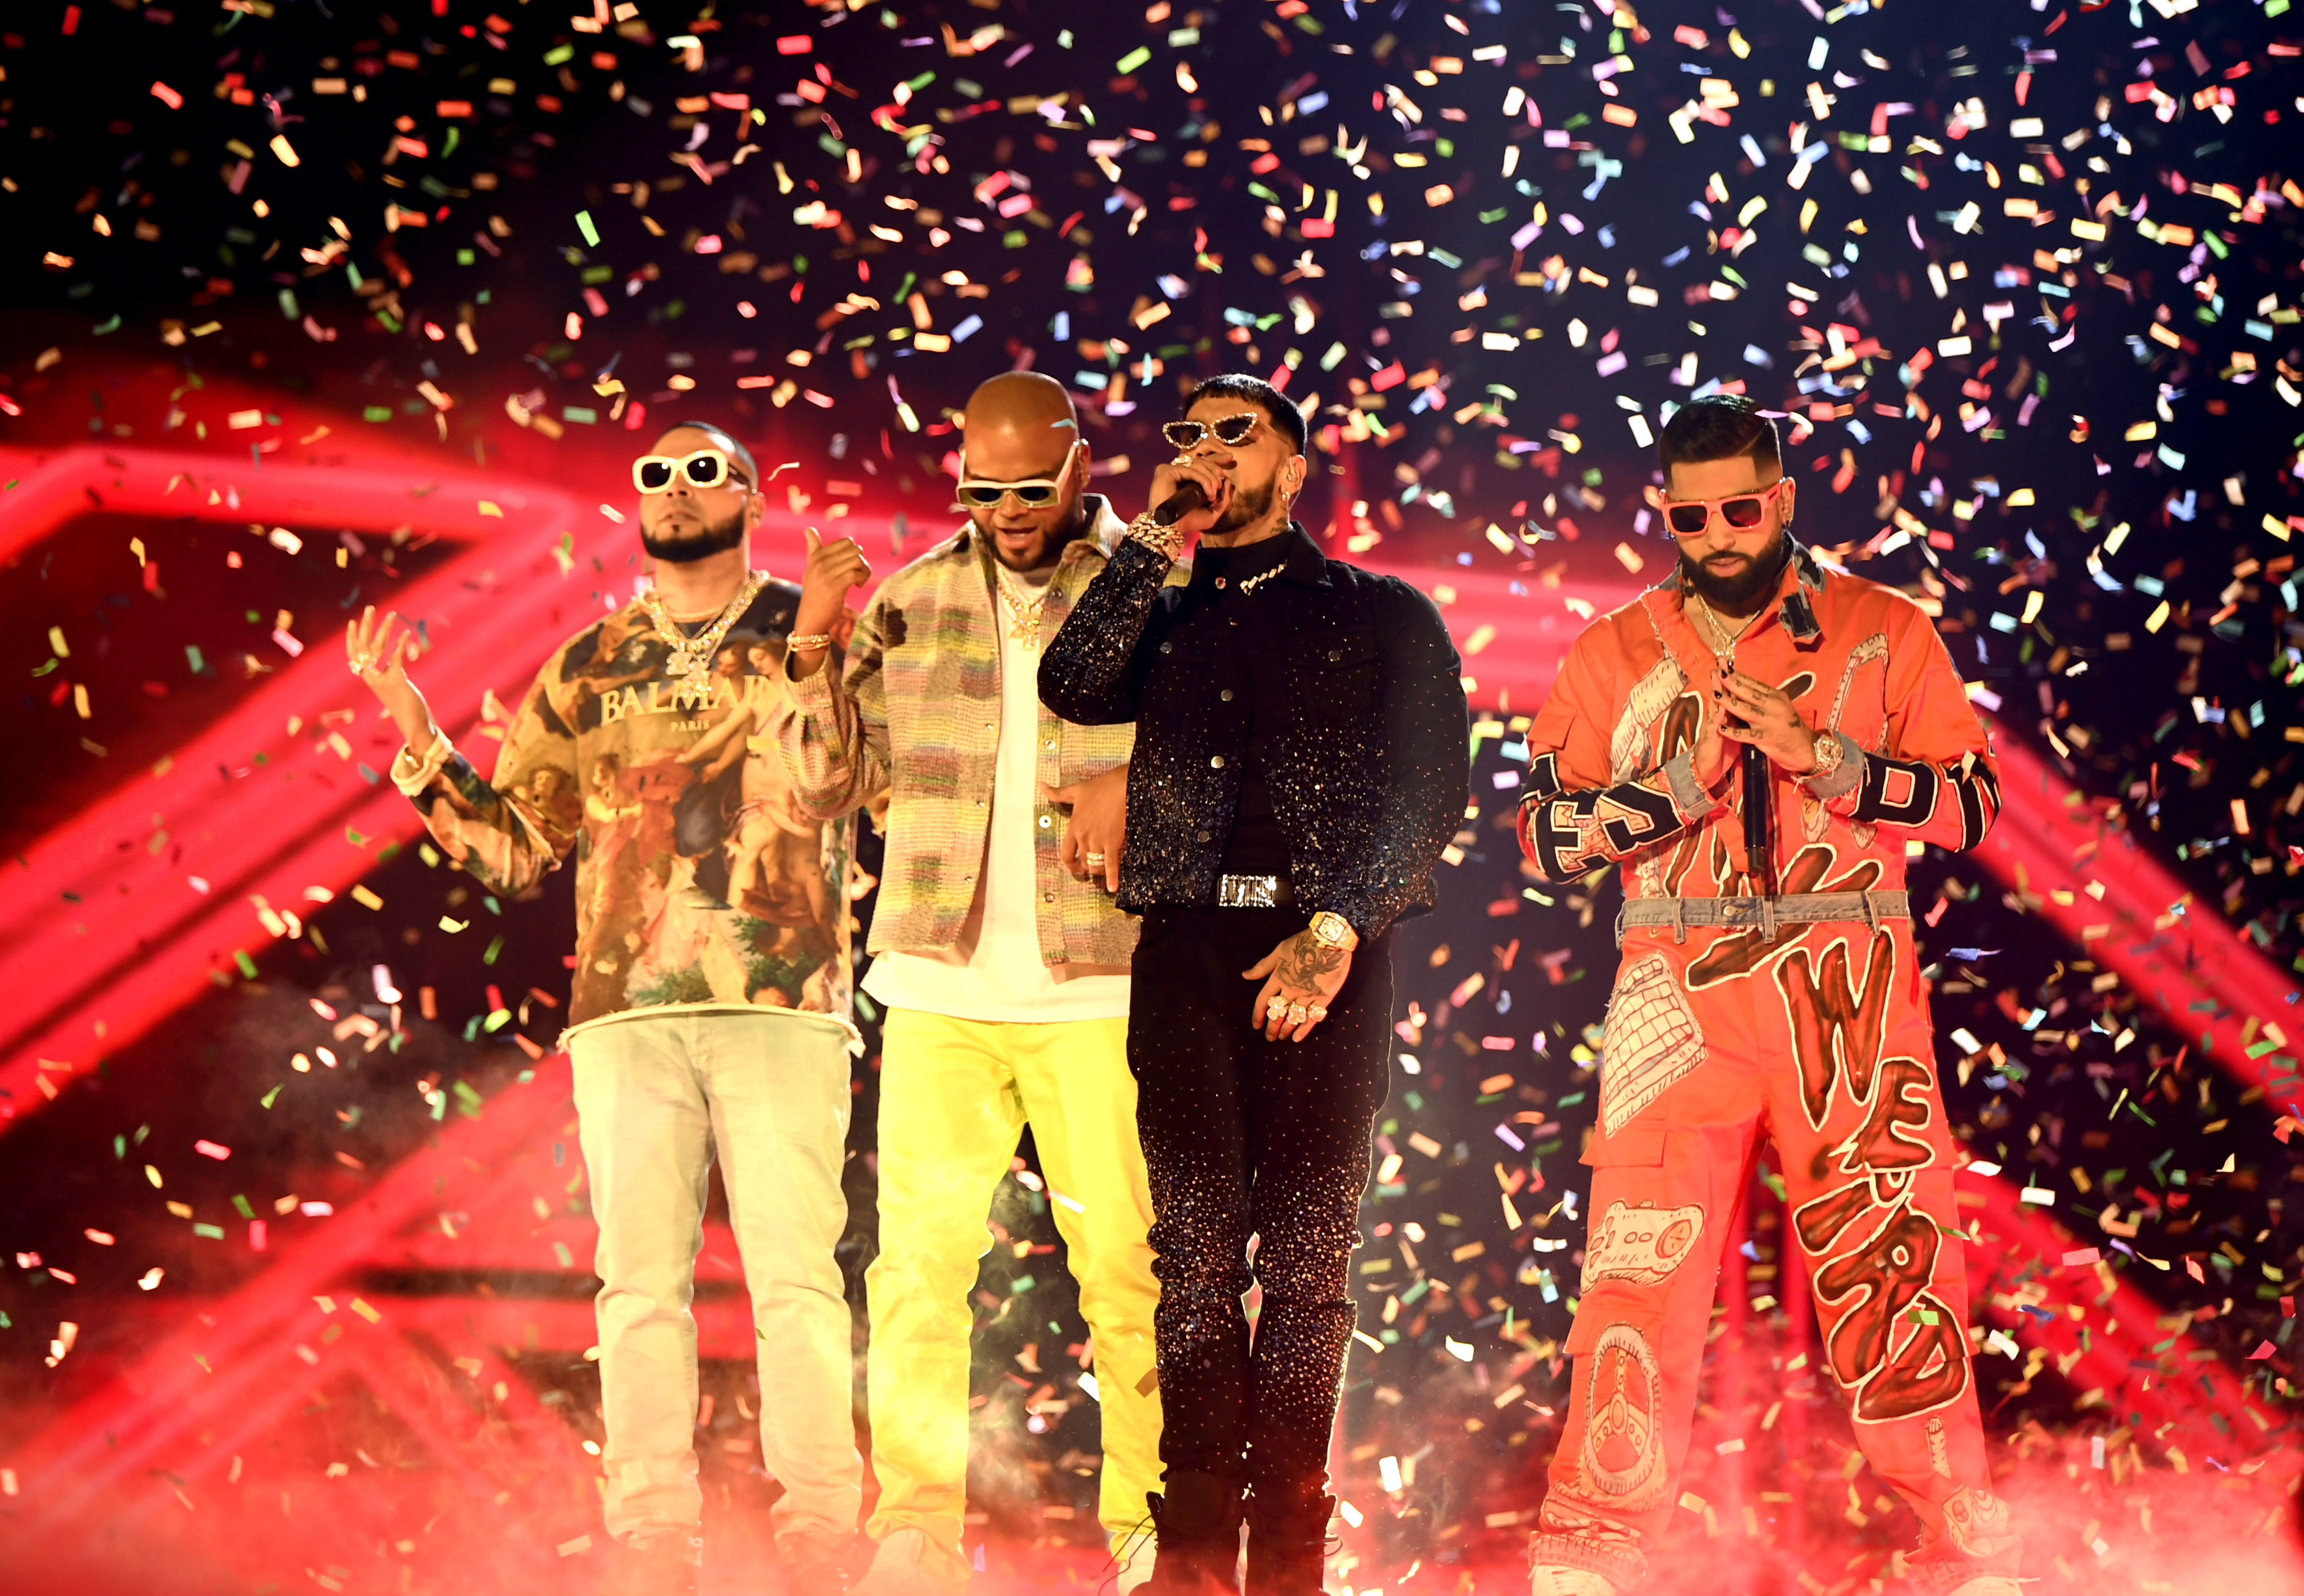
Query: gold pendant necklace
[(1723, 647), (1024, 606), (690, 664)]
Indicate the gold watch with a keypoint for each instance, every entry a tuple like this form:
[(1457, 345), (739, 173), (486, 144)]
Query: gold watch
[(1828, 755), (1331, 930)]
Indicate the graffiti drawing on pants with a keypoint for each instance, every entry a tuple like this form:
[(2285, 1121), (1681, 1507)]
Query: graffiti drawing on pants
[(1623, 1427), (1641, 1245), (1976, 1522), (1651, 1040), (1836, 1028), (1895, 1347), (1894, 1135)]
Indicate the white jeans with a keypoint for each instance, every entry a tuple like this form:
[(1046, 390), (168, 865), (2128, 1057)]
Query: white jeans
[(657, 1095)]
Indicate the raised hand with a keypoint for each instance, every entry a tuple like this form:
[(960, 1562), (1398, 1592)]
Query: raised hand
[(379, 650), (833, 570), (1173, 474)]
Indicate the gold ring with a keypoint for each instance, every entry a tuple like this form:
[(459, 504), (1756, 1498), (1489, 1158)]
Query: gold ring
[(1093, 858), (1317, 1012), (1296, 1013), (1276, 1008)]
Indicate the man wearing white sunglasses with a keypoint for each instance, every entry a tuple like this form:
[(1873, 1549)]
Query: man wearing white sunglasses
[(998, 953), (1300, 764), (710, 1001)]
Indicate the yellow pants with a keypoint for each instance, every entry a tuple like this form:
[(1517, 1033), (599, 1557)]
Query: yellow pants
[(955, 1095)]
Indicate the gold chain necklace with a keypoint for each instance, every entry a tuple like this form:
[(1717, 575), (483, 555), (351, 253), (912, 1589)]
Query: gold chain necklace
[(690, 664), (1024, 606), (1724, 648)]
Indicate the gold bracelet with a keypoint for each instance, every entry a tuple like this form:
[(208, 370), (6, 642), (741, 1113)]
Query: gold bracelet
[(811, 641), (1163, 540)]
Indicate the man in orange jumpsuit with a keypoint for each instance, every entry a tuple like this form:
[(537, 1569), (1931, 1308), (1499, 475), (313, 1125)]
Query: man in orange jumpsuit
[(1755, 740)]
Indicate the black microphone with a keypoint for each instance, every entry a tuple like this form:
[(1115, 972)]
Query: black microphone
[(1189, 497), (1760, 845)]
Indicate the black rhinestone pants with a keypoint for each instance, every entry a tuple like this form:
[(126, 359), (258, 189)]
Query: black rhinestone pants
[(1247, 1137)]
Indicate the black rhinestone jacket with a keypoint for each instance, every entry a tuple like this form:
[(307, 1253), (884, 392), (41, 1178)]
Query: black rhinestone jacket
[(1372, 761)]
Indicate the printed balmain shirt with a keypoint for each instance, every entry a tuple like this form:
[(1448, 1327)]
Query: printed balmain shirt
[(699, 880)]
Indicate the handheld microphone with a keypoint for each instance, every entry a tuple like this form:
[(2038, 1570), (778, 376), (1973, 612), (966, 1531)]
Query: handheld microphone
[(1759, 847), (1187, 498)]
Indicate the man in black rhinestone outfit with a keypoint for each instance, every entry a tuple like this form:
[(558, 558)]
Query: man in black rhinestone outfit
[(1300, 761)]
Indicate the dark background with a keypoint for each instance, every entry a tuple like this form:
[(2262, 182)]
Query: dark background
[(2164, 727)]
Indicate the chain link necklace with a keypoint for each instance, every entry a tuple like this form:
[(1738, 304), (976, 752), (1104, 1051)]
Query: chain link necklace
[(1024, 605), (690, 664), (1723, 647)]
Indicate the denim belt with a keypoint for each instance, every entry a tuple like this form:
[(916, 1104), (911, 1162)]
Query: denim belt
[(1253, 891), (1797, 908)]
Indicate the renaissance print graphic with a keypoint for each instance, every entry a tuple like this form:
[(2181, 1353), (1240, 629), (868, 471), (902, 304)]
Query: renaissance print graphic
[(698, 880)]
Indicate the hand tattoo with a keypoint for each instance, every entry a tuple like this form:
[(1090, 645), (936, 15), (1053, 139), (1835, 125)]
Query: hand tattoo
[(1307, 960)]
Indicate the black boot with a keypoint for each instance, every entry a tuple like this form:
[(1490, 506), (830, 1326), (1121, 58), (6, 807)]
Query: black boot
[(1288, 1544), (1196, 1526)]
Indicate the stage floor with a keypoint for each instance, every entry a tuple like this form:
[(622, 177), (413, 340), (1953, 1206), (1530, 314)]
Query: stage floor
[(2211, 1530)]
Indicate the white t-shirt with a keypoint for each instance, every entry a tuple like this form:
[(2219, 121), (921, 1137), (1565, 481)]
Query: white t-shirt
[(993, 970)]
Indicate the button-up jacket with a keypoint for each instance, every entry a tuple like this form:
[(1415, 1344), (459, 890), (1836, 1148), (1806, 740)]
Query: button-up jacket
[(915, 715), (1610, 778), (1371, 761)]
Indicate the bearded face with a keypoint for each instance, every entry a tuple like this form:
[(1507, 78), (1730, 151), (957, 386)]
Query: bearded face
[(1249, 505), (688, 534), (1732, 582)]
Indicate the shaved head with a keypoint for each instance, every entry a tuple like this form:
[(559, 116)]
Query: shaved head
[(1028, 409), (1021, 427)]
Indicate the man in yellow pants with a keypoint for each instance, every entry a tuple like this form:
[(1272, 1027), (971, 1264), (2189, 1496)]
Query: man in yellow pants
[(1000, 957)]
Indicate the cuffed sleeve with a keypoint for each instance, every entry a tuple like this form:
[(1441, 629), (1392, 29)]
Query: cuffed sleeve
[(1694, 804), (831, 726), (412, 772)]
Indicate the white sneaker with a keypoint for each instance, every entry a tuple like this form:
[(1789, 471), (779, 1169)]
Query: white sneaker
[(1554, 1579), (1989, 1584), (905, 1565)]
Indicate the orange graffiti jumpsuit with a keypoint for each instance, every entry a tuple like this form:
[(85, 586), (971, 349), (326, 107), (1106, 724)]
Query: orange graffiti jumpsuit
[(1819, 1040)]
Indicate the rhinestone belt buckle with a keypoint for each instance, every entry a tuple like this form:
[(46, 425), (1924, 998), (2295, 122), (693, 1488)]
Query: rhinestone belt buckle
[(1247, 891)]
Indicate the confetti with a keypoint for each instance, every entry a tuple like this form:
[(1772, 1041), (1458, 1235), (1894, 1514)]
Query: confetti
[(2020, 289)]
